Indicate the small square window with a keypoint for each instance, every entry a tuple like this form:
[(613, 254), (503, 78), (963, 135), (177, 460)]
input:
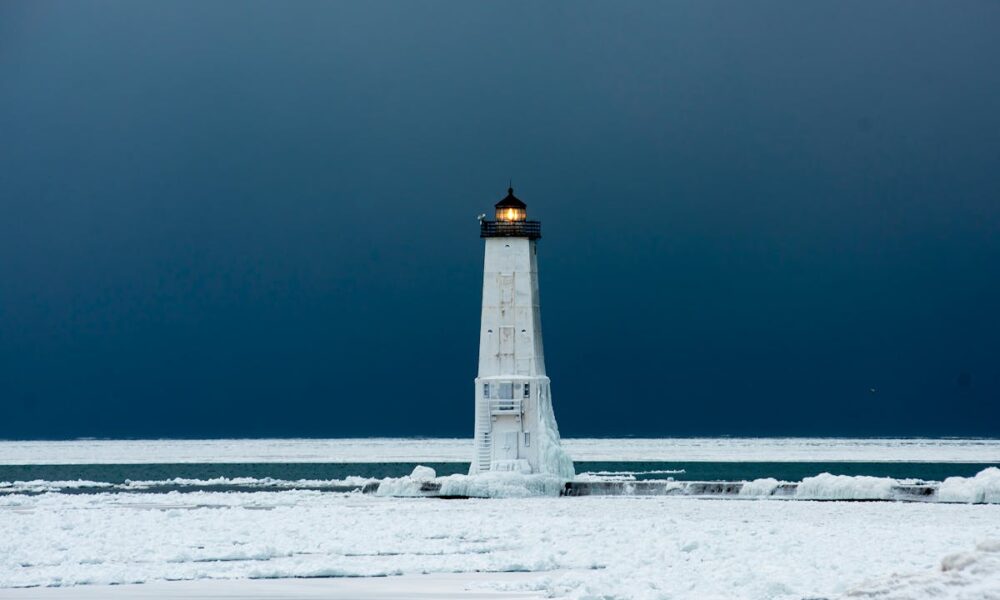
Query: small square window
[(527, 390)]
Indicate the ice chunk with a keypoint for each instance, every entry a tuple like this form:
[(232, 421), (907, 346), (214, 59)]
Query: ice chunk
[(422, 473), (983, 488), (845, 487), (760, 487)]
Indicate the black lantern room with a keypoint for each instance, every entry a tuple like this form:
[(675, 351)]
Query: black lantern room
[(511, 220), (511, 208)]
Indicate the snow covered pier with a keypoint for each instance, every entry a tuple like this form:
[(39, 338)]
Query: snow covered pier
[(752, 489), (983, 488), (900, 492)]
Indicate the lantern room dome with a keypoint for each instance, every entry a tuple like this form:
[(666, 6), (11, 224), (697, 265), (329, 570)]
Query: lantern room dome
[(511, 208), (511, 220)]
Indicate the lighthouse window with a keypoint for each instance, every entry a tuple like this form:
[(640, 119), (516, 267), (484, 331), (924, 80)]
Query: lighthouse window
[(486, 390), (527, 390), (527, 439), (507, 391)]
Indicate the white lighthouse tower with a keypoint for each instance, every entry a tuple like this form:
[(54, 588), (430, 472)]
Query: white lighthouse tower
[(515, 426)]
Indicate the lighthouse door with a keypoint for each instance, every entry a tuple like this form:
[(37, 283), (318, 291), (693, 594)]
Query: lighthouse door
[(510, 445)]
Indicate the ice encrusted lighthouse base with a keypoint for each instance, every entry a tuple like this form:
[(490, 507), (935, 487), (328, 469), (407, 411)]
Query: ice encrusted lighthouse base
[(515, 426), (523, 438)]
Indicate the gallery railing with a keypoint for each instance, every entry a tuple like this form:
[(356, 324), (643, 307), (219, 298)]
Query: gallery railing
[(529, 229)]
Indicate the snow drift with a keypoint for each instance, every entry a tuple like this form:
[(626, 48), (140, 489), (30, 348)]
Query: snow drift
[(983, 488), (845, 487), (973, 575)]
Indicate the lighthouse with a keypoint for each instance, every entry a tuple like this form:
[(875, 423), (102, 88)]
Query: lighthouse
[(515, 426)]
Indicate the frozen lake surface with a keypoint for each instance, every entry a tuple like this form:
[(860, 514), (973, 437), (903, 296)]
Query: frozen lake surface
[(437, 450), (438, 586), (258, 519), (578, 547)]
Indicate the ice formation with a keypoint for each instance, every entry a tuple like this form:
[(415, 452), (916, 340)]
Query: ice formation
[(422, 473), (760, 487), (983, 488), (552, 458), (483, 485), (845, 487)]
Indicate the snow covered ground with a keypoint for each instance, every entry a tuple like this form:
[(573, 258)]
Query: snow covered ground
[(438, 586), (650, 547), (261, 537), (460, 450)]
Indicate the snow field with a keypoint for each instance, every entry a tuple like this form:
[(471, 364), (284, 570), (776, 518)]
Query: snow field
[(591, 546), (435, 586), (43, 485), (971, 575)]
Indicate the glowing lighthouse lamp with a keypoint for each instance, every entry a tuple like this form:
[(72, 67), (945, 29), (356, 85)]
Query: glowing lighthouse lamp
[(515, 427)]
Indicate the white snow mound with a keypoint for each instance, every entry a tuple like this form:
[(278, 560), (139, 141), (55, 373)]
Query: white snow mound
[(845, 487), (422, 473), (983, 488), (962, 576), (760, 487)]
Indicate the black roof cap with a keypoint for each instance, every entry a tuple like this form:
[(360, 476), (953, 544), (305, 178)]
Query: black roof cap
[(511, 201)]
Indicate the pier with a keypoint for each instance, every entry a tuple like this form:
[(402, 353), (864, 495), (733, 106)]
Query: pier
[(923, 492), (900, 492)]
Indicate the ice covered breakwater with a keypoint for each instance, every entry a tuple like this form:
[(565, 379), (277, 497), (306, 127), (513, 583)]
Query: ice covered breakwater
[(984, 488)]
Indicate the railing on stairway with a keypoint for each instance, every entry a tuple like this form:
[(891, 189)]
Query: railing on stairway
[(505, 407)]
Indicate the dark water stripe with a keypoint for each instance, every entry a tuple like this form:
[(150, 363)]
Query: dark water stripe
[(696, 471), (162, 472)]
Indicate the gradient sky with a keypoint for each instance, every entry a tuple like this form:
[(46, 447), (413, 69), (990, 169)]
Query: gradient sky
[(249, 219)]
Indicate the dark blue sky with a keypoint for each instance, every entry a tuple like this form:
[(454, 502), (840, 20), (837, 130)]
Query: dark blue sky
[(244, 219)]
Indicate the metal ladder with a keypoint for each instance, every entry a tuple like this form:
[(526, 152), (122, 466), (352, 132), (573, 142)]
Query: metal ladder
[(486, 442)]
